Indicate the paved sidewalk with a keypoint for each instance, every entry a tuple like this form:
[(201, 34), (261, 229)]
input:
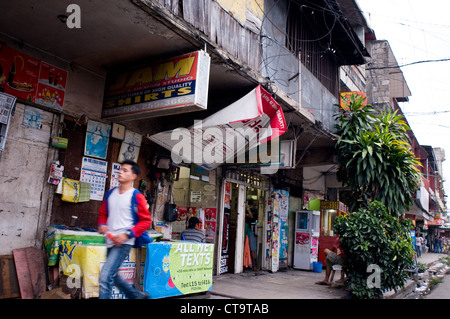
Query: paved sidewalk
[(290, 284)]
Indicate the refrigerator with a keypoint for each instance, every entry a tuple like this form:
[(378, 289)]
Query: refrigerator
[(306, 241)]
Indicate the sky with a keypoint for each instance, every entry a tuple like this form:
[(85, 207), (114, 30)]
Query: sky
[(419, 31)]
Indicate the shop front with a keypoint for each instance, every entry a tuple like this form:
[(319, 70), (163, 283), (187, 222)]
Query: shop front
[(243, 193), (329, 210)]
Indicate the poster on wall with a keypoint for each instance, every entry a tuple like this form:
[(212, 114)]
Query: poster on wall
[(6, 106), (210, 222), (224, 260), (97, 138), (51, 86), (33, 117), (93, 171), (131, 146), (114, 175), (279, 239), (178, 268), (31, 79)]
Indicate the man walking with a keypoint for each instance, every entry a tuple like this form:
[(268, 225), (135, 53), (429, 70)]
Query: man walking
[(123, 217)]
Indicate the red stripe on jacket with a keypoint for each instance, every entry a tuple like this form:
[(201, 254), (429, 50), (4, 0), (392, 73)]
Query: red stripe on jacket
[(144, 216)]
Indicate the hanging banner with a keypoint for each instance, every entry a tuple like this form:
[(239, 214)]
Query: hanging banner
[(178, 268), (238, 133), (176, 85)]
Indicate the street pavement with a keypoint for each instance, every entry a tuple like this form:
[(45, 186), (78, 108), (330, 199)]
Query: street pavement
[(295, 284), (441, 290)]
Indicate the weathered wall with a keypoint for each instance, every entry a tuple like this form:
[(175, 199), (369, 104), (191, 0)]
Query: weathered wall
[(23, 172), (315, 97), (278, 63), (26, 198)]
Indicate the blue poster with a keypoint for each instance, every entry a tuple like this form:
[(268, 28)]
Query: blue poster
[(178, 268), (97, 138)]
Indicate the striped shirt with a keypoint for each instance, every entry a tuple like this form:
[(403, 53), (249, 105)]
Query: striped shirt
[(192, 234)]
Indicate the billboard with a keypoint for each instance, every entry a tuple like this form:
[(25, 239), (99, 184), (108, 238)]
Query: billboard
[(172, 86)]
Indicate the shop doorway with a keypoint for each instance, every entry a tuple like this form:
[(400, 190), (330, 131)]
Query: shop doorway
[(246, 214)]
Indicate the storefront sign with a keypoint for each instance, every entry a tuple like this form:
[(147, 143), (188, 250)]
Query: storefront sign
[(240, 130), (177, 85), (178, 268)]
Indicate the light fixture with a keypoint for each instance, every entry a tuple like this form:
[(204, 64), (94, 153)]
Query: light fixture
[(62, 18)]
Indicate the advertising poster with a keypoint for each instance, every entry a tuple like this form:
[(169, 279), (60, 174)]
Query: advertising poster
[(178, 268), (210, 222), (51, 86), (225, 241), (84, 263), (30, 79)]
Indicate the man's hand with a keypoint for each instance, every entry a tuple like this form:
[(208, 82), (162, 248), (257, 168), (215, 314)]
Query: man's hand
[(119, 239), (102, 229)]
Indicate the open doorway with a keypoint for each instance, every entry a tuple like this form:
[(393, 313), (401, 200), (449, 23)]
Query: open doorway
[(243, 228), (254, 217)]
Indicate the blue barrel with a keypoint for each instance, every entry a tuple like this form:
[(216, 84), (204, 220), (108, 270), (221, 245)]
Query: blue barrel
[(317, 266)]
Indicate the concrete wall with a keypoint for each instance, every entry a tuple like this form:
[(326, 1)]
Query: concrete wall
[(278, 63), (25, 195), (23, 172), (317, 98)]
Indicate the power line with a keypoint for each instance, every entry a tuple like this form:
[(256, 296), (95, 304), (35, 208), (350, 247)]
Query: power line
[(407, 64)]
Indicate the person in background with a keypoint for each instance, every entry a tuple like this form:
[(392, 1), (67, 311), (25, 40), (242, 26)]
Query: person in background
[(117, 220), (419, 243), (251, 216), (333, 256), (194, 233)]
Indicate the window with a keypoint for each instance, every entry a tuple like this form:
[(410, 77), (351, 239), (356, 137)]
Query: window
[(308, 35)]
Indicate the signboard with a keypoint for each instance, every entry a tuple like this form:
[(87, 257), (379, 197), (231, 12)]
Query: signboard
[(178, 268), (249, 123), (176, 85), (346, 97)]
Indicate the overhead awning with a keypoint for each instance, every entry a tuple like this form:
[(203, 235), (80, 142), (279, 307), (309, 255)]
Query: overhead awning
[(243, 127)]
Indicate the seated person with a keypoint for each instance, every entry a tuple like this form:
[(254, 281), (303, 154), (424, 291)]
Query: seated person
[(335, 256), (193, 233)]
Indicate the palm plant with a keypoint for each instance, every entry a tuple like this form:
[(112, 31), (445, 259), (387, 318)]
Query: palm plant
[(375, 160)]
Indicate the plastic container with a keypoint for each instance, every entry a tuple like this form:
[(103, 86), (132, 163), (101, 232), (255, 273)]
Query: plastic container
[(317, 266)]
